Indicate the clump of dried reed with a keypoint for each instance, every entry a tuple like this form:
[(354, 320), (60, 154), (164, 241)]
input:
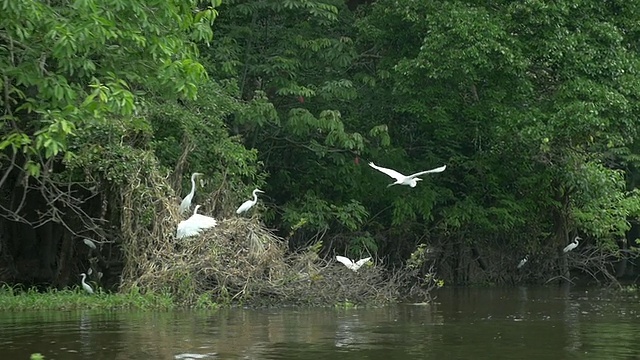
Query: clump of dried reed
[(238, 262)]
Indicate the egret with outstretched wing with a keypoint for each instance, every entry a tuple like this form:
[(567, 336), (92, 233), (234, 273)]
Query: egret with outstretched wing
[(411, 180), (350, 264), (195, 224)]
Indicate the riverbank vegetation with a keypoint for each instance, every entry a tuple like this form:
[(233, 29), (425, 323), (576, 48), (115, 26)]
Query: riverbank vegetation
[(16, 299), (108, 109)]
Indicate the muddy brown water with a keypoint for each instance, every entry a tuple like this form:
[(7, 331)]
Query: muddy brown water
[(463, 323)]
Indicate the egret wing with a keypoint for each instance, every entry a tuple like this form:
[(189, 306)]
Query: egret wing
[(203, 221), (244, 207), (361, 262), (185, 204), (436, 170), (346, 261), (187, 228), (87, 288), (394, 174)]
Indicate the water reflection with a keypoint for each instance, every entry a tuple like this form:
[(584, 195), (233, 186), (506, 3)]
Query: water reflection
[(522, 323)]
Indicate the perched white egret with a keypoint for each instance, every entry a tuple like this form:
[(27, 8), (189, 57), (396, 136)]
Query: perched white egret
[(86, 286), (572, 245), (249, 203), (411, 180), (89, 243), (195, 224), (185, 205), (350, 264), (523, 261)]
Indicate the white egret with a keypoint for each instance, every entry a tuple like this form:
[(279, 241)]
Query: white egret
[(523, 261), (249, 203), (86, 286), (185, 205), (89, 243), (411, 180), (350, 264), (195, 224), (572, 245)]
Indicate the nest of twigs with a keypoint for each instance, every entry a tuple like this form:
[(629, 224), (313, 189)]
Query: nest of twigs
[(240, 261)]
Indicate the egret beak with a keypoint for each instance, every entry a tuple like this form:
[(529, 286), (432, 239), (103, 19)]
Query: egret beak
[(390, 185)]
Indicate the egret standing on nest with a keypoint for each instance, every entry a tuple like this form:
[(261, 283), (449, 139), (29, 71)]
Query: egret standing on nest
[(185, 205), (572, 245), (195, 224), (249, 203), (350, 264), (86, 286), (411, 180)]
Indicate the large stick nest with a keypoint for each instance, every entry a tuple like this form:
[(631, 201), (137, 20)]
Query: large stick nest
[(238, 262)]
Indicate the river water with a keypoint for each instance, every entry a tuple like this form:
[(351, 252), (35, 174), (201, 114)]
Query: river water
[(516, 323)]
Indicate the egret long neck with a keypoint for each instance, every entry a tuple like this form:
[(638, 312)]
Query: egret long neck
[(255, 195), (193, 184)]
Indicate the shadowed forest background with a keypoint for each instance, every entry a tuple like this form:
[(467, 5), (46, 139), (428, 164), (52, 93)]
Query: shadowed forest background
[(109, 106)]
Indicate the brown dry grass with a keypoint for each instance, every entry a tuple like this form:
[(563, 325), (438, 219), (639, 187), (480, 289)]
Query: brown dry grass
[(238, 262)]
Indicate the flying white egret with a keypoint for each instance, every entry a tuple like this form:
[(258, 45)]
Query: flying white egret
[(350, 264), (86, 286), (249, 203), (195, 224), (411, 180), (523, 261), (185, 205), (572, 245)]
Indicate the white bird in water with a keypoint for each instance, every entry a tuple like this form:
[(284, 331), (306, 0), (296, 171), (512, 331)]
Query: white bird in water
[(86, 286), (523, 261), (411, 180), (195, 224), (249, 203), (350, 264), (185, 205), (572, 245)]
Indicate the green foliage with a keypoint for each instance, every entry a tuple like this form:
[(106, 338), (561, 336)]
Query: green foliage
[(526, 102), (198, 125), (319, 214), (531, 105), (16, 300), (603, 207), (65, 68), (292, 61)]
